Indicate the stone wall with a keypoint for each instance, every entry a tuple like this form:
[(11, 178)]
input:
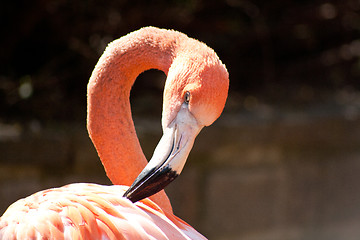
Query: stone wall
[(291, 176)]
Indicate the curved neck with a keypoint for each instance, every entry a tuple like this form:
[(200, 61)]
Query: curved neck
[(109, 119)]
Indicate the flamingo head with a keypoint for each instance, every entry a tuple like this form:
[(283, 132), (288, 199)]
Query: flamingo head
[(194, 96)]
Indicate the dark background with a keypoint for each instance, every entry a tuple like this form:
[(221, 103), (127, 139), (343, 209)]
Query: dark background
[(281, 51)]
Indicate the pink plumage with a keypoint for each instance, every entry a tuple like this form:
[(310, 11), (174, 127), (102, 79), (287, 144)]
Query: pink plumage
[(90, 211), (194, 96)]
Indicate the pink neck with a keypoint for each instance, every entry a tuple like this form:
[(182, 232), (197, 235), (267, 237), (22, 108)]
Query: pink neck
[(109, 119)]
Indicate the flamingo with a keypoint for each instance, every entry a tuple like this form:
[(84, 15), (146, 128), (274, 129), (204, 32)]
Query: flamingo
[(194, 96)]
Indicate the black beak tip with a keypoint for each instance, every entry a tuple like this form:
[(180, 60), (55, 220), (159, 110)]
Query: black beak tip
[(149, 183)]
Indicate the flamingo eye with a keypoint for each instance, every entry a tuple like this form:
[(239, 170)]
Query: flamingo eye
[(187, 97)]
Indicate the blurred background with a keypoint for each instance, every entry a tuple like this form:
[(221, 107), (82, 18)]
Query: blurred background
[(282, 162)]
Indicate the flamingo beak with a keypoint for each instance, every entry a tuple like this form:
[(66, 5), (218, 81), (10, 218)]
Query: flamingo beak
[(169, 156)]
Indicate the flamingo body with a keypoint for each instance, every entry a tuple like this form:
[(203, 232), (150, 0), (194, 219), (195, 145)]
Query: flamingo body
[(90, 211), (194, 97)]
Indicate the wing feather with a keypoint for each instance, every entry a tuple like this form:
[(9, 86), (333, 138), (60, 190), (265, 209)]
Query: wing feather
[(90, 211)]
